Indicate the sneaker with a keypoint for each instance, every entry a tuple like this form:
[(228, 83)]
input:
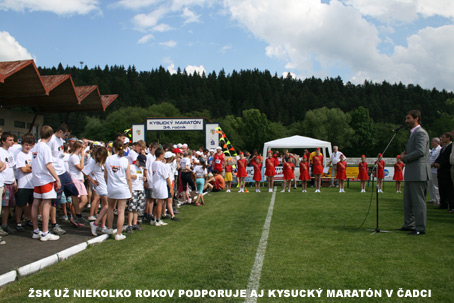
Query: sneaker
[(258, 190), (137, 227), (128, 230), (49, 237), (73, 222), (8, 230), (2, 241), (270, 190), (37, 235), (206, 193), (152, 222), (89, 206), (124, 228), (119, 237), (283, 191), (93, 229), (64, 218), (19, 227), (58, 230), (108, 231), (160, 223), (29, 223), (289, 190), (81, 220), (174, 219), (92, 218)]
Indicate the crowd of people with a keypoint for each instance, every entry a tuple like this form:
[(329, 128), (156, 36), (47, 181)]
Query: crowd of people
[(63, 174)]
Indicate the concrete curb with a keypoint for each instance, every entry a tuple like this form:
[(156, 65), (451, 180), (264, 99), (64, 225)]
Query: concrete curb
[(65, 254), (36, 266), (8, 277)]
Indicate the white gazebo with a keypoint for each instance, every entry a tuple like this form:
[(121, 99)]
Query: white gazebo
[(299, 142)]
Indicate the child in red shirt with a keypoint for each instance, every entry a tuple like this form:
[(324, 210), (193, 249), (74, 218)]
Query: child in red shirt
[(380, 172), (304, 173), (341, 173), (363, 174), (270, 170), (242, 173), (288, 168), (228, 175), (257, 173), (398, 173)]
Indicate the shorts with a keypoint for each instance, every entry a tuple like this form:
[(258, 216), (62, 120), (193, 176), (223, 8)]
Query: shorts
[(45, 191), (67, 185), (8, 199), (148, 193), (200, 184), (64, 199), (187, 180), (24, 196), (160, 193), (137, 203), (81, 189)]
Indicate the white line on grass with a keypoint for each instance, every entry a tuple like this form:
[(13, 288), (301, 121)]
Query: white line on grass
[(254, 278)]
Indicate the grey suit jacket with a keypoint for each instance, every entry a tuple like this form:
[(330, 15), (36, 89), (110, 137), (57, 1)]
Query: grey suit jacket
[(417, 158)]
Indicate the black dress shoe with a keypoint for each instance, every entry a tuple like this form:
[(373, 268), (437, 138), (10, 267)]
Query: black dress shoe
[(417, 233), (405, 229)]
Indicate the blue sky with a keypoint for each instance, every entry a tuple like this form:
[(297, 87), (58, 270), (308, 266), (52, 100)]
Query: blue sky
[(394, 40)]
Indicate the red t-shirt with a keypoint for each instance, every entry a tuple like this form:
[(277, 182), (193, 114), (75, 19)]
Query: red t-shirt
[(218, 160)]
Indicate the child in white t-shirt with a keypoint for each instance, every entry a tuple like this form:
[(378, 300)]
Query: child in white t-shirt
[(45, 181), (76, 164), (137, 203), (171, 165), (160, 182)]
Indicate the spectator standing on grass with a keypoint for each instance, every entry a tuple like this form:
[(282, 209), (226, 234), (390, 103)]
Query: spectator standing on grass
[(137, 202), (335, 157), (317, 169), (341, 168), (76, 164), (172, 168), (257, 164), (380, 172), (219, 160), (119, 187), (10, 185), (160, 182), (45, 182), (242, 173), (228, 175), (433, 183), (445, 185), (270, 170), (363, 174), (304, 173), (398, 173), (201, 174), (417, 173)]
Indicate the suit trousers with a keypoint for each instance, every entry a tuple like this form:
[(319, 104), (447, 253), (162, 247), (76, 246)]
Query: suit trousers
[(415, 211), (433, 189)]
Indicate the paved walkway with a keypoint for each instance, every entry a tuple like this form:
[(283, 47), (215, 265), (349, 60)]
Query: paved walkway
[(20, 249)]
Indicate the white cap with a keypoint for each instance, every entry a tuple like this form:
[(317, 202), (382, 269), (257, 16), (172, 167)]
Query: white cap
[(219, 147), (180, 145), (211, 150), (175, 146), (168, 155), (126, 140), (185, 145)]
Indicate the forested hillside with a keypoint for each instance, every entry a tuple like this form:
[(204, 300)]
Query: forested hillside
[(255, 106)]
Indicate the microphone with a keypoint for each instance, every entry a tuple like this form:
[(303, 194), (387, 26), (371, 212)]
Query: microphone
[(398, 128)]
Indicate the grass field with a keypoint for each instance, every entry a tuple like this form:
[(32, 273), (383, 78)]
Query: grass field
[(314, 243)]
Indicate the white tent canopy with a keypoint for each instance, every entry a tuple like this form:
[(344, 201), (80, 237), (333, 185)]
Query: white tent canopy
[(299, 142)]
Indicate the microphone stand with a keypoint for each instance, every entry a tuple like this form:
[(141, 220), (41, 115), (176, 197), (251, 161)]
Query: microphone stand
[(377, 228)]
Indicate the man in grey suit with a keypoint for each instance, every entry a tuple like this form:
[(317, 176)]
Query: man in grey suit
[(417, 175)]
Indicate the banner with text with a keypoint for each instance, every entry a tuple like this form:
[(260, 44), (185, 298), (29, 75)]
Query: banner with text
[(159, 124)]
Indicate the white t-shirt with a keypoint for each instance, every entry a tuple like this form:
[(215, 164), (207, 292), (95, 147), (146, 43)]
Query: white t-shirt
[(56, 146), (132, 156), (150, 159), (15, 148), (172, 168), (8, 174), (75, 173), (42, 155), (65, 160), (160, 175), (137, 184), (185, 163), (117, 185), (96, 172), (24, 180), (200, 172)]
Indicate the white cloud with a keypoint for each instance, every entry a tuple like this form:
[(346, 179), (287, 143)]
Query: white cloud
[(225, 48), (11, 50), (162, 28), (315, 38), (403, 10), (145, 39), (66, 7), (169, 43), (144, 21), (191, 69), (171, 69), (137, 4), (190, 16), (286, 74)]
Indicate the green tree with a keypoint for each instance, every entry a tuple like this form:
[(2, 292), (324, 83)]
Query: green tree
[(363, 141)]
